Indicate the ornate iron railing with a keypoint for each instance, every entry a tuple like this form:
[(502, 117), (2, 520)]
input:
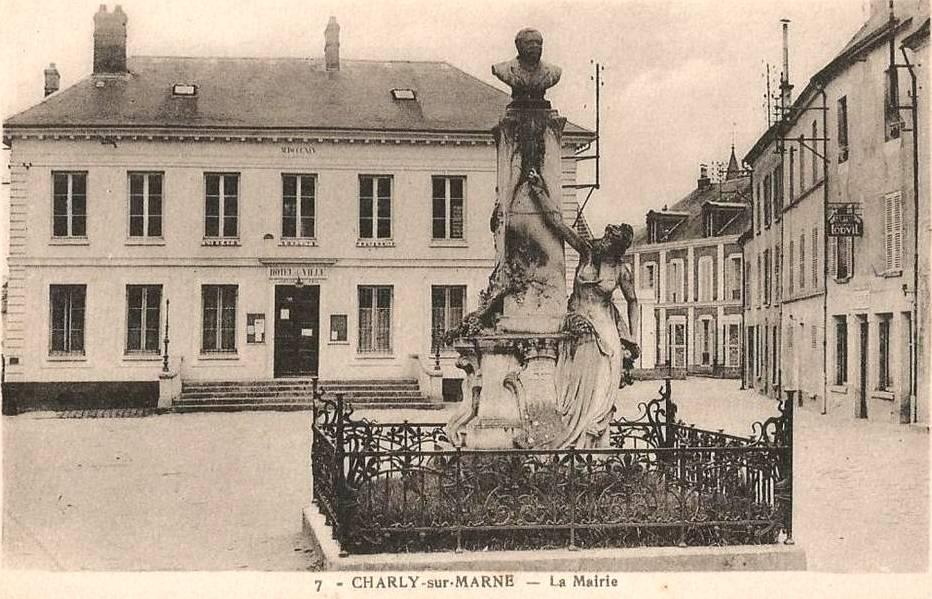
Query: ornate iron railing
[(395, 487)]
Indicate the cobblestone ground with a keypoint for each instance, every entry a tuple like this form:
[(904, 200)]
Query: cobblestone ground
[(225, 491)]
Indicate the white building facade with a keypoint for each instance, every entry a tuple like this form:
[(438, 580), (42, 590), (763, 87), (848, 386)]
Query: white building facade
[(310, 230)]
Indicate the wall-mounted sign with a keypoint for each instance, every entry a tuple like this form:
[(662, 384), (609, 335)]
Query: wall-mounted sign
[(298, 150), (297, 271), (844, 220)]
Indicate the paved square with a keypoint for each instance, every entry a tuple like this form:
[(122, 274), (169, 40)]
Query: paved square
[(225, 491)]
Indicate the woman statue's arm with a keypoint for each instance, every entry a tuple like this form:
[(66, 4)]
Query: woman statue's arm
[(554, 219)]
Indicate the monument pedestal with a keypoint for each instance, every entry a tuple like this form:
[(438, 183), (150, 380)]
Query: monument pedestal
[(510, 395)]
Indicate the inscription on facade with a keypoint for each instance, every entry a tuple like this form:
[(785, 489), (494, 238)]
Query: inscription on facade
[(297, 271), (298, 150)]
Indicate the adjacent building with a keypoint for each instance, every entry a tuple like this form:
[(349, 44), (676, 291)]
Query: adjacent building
[(248, 218), (688, 272), (839, 241)]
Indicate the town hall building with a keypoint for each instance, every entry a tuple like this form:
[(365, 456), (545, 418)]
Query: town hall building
[(269, 218)]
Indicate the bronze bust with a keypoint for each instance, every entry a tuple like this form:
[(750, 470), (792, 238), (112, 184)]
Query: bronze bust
[(526, 75)]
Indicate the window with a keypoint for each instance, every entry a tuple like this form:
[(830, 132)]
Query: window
[(676, 343), (142, 318), (792, 174), (705, 341), (767, 199), (760, 280), (734, 277), (446, 303), (814, 155), (777, 268), (815, 258), (298, 206), (747, 282), (732, 346), (222, 205), (705, 279), (67, 318), (814, 336), (885, 380), (375, 319), (338, 328), (767, 278), (777, 192), (841, 350), (448, 194), (802, 261), (840, 257), (649, 278), (842, 129), (69, 199), (758, 213), (675, 281), (375, 207), (792, 274), (891, 111), (145, 204), (802, 165), (893, 232), (219, 318)]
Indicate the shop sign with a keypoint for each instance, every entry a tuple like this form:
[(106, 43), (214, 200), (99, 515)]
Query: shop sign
[(843, 221)]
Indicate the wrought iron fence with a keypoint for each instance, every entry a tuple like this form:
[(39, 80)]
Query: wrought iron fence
[(395, 487)]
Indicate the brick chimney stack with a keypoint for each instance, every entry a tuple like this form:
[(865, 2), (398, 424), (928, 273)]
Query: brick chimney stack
[(109, 41), (332, 45), (704, 182), (52, 79)]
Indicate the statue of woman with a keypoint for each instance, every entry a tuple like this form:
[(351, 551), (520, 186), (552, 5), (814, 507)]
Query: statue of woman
[(600, 344)]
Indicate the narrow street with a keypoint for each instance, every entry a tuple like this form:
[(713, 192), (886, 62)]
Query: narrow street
[(225, 491)]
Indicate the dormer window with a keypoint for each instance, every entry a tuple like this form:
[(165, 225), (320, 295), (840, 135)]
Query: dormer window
[(404, 94), (184, 90)]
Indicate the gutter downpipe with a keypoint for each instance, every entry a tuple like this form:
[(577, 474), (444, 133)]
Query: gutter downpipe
[(745, 289), (825, 179), (914, 379)]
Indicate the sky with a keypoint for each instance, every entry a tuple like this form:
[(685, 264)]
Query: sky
[(682, 78)]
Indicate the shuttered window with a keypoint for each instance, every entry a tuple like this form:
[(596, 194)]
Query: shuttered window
[(893, 231), (802, 261), (815, 258)]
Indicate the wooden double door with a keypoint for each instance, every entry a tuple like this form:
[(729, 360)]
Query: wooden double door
[(297, 330)]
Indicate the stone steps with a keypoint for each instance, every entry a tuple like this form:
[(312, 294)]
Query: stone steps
[(296, 394)]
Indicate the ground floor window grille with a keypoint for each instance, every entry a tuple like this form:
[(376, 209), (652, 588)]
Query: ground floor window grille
[(67, 318), (447, 305), (219, 316), (375, 319), (142, 318)]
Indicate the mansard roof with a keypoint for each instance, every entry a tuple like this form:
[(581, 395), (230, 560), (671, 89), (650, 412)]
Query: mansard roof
[(727, 195), (277, 93)]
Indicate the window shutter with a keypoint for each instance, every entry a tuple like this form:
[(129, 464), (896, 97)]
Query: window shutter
[(832, 254), (815, 258), (897, 231), (893, 231)]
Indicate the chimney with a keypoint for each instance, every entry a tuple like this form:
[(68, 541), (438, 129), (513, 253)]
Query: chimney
[(109, 41), (52, 79), (704, 182), (332, 45), (786, 89)]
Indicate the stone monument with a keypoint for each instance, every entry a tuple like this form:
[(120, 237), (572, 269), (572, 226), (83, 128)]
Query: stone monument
[(509, 347)]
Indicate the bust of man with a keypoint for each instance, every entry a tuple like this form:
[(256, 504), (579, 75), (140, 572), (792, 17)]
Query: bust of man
[(526, 75)]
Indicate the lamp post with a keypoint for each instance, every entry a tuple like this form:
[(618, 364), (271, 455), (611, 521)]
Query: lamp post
[(165, 353)]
